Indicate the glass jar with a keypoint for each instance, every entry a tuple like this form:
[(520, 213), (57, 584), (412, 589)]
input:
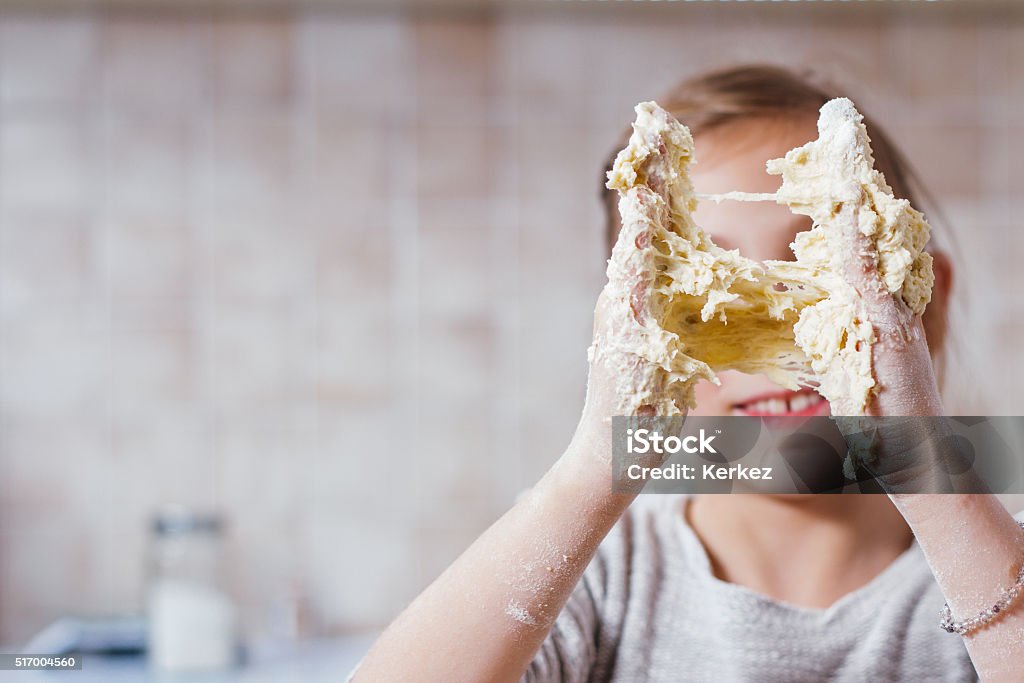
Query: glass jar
[(192, 621)]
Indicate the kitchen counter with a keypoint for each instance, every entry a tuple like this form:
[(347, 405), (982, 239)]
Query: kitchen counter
[(306, 662)]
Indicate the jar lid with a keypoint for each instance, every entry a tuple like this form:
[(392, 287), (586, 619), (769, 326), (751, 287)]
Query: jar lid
[(181, 520)]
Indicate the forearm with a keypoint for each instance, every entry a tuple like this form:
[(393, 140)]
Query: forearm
[(973, 545), (485, 618), (975, 549)]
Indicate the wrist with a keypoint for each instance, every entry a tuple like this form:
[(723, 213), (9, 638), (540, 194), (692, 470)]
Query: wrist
[(584, 473)]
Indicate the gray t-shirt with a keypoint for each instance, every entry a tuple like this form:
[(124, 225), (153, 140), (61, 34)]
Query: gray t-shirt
[(648, 608)]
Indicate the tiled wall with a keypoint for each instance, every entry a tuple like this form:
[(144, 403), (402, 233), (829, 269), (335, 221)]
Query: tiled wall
[(333, 273)]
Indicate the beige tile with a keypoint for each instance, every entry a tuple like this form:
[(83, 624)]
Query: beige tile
[(459, 474), (147, 257), (366, 464), (365, 470), (560, 163), (443, 545), (362, 575), (854, 59), (548, 68), (255, 261), (462, 285), (263, 572), (947, 157), (1006, 335), (555, 303), (454, 57), (546, 429), (41, 260), (257, 361), (457, 361), (160, 461), (1002, 160), (455, 68), (255, 61), (764, 39), (148, 163), (354, 161), (54, 360), (360, 65), (153, 64), (995, 259), (1015, 66), (46, 59), (356, 259), (44, 162), (457, 216), (264, 541), (123, 566), (356, 357), (544, 267), (554, 342), (52, 470), (152, 374), (455, 161), (997, 74), (937, 62), (561, 221), (53, 484), (672, 50), (45, 577), (254, 166), (143, 313)]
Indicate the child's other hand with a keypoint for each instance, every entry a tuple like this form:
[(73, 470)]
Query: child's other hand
[(901, 361)]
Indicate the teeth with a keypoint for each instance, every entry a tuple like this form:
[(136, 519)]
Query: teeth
[(758, 407), (780, 406)]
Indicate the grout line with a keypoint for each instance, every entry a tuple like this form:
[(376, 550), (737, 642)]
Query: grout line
[(307, 73), (511, 326), (405, 228), (99, 131), (305, 119), (202, 218)]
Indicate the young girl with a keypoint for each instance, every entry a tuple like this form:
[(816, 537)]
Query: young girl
[(576, 584)]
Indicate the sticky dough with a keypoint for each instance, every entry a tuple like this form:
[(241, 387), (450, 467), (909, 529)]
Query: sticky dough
[(681, 309)]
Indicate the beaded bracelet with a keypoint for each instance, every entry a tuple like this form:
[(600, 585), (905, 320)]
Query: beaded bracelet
[(974, 623)]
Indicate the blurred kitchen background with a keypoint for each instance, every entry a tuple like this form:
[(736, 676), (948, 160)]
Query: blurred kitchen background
[(328, 270)]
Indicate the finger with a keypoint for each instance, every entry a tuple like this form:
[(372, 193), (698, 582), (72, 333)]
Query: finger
[(631, 268)]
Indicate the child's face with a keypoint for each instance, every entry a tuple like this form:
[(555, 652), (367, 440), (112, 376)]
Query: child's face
[(733, 158)]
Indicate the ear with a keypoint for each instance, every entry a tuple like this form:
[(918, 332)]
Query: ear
[(936, 316)]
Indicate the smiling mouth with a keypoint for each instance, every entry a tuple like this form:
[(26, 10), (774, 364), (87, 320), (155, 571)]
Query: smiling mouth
[(794, 403)]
